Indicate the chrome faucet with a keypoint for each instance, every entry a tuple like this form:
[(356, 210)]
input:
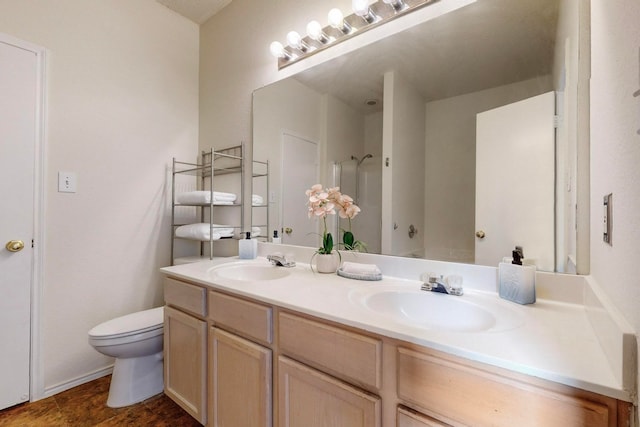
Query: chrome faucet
[(452, 285), (280, 260)]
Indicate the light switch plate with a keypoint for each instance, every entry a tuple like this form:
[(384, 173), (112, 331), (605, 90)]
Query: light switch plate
[(67, 182)]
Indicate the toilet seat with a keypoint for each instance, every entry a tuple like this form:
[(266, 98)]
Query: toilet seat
[(147, 322)]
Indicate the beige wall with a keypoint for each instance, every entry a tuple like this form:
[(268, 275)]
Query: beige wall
[(122, 100), (615, 150), (235, 60)]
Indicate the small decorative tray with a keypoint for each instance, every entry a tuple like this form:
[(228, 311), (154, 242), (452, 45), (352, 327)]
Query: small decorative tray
[(360, 276)]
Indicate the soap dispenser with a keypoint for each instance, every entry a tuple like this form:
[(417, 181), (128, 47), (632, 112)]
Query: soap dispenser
[(276, 240), (248, 248), (517, 282)]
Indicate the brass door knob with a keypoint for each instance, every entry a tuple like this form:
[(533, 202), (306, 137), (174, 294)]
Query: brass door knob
[(288, 231), (480, 234), (14, 245)]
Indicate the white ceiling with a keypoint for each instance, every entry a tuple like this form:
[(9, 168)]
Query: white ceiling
[(196, 10), (484, 45)]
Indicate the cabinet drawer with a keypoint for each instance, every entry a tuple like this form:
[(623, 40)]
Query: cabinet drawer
[(347, 355), (249, 319), (408, 418), (463, 394), (185, 296)]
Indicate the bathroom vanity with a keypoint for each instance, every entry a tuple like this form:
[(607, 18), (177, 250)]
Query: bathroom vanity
[(289, 347)]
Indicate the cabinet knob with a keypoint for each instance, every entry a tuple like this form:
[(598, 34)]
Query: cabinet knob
[(288, 231), (480, 234)]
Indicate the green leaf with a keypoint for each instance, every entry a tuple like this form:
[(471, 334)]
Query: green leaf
[(348, 239), (327, 243)]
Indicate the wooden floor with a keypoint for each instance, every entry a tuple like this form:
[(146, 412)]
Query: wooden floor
[(85, 406)]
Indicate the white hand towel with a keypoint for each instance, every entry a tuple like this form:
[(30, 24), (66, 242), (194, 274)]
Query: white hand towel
[(359, 268), (257, 200)]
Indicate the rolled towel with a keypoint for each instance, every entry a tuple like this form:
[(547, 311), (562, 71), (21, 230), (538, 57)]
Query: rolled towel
[(204, 197), (257, 200), (220, 196), (359, 268), (197, 232)]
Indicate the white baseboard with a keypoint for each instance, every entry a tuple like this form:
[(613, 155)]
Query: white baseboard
[(59, 388)]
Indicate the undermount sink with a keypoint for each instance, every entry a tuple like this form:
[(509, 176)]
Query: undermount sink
[(249, 272), (472, 312)]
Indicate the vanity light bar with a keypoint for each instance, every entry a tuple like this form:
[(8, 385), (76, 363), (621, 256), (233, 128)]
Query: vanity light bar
[(341, 28)]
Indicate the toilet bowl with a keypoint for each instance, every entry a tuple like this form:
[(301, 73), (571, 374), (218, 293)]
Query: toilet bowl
[(135, 341)]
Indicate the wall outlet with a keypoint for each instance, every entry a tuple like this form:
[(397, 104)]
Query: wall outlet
[(67, 182)]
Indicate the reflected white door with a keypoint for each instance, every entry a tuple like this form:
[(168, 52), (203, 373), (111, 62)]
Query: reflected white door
[(299, 173), (18, 86), (515, 181)]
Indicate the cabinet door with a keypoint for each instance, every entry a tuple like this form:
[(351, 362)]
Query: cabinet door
[(309, 398), (240, 381), (185, 362)]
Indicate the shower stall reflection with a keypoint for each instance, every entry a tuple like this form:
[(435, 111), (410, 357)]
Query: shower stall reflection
[(361, 178)]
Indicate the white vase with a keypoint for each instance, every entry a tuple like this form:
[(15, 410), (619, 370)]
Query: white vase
[(327, 263)]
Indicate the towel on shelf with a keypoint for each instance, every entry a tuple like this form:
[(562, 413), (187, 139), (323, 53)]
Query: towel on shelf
[(203, 232), (204, 197), (257, 200), (255, 232)]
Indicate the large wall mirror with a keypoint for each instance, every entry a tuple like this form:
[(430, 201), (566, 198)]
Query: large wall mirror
[(458, 138)]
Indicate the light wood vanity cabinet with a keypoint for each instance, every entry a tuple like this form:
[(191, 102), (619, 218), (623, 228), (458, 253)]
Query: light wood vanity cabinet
[(239, 381), (462, 392), (350, 356), (310, 398), (185, 347), (266, 366), (240, 363)]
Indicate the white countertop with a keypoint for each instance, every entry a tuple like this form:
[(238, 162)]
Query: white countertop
[(552, 340)]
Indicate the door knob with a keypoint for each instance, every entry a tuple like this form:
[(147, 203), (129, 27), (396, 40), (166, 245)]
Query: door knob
[(14, 245), (288, 231), (480, 234)]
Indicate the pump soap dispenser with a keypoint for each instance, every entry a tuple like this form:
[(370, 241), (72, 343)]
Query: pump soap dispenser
[(517, 282), (248, 248)]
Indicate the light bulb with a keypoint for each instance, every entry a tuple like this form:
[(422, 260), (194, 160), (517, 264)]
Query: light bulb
[(278, 51), (314, 31), (295, 41), (336, 20), (362, 9)]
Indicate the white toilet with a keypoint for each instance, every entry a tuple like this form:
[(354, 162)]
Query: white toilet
[(135, 340)]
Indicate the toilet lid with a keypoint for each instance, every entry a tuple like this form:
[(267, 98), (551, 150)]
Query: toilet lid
[(130, 324)]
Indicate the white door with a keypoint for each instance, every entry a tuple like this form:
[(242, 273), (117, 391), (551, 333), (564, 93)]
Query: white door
[(515, 181), (299, 173), (18, 86)]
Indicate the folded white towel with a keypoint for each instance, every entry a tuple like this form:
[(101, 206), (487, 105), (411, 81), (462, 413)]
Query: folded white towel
[(204, 197), (197, 232), (359, 268), (257, 200)]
